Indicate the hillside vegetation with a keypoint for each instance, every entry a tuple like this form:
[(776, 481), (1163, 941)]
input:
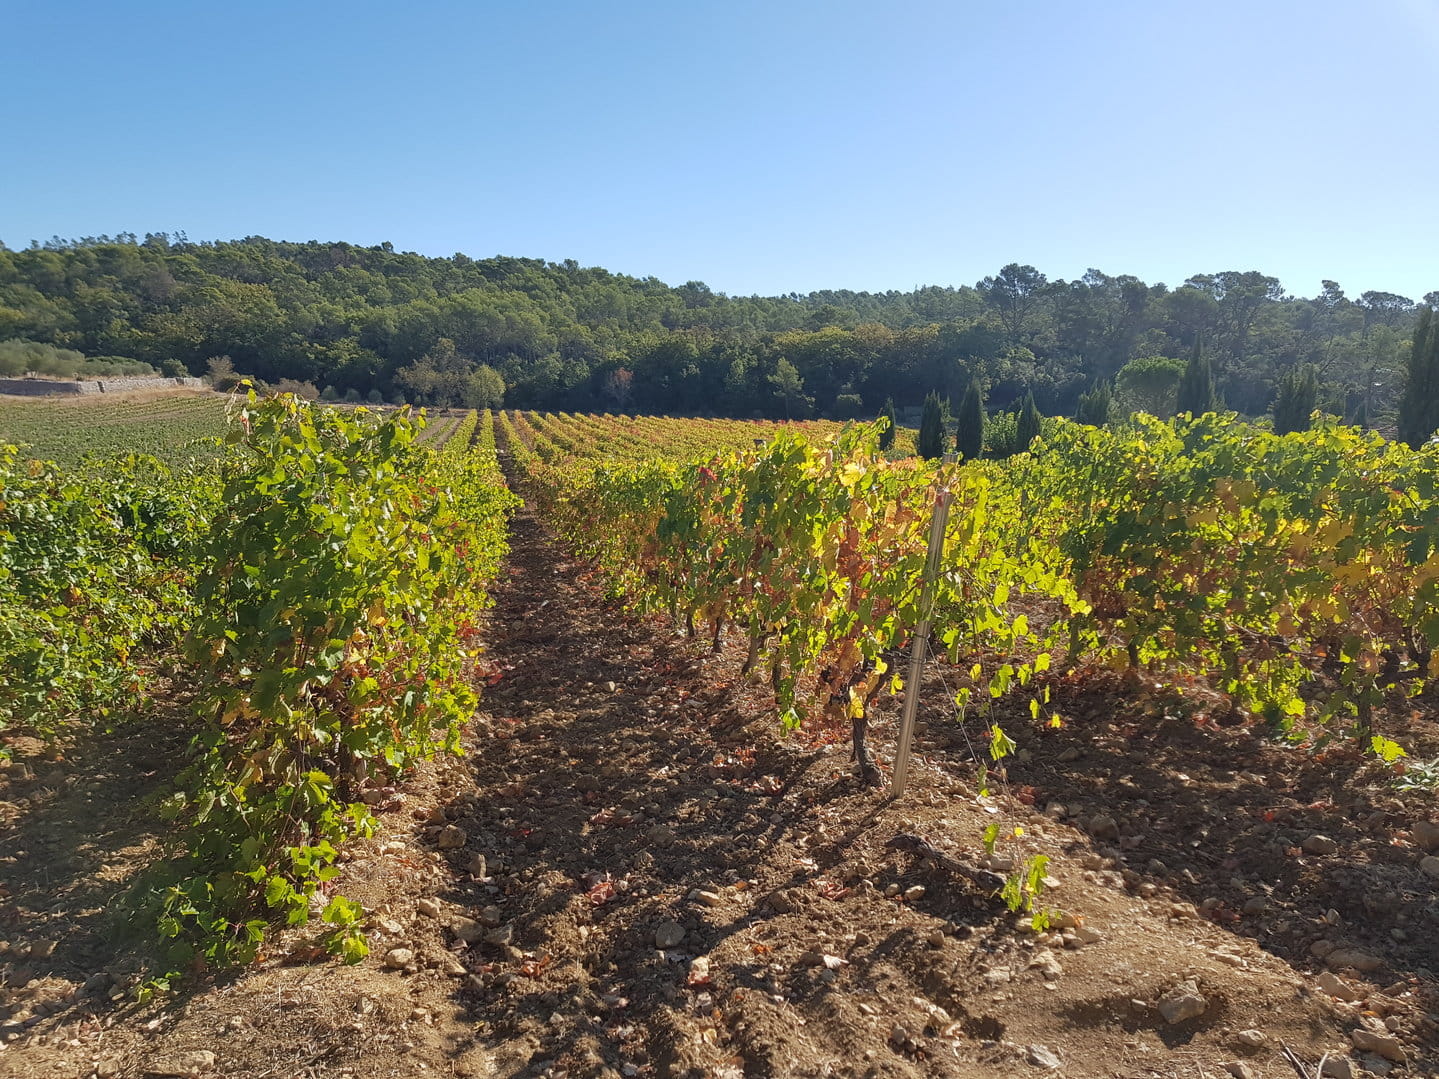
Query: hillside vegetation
[(535, 334)]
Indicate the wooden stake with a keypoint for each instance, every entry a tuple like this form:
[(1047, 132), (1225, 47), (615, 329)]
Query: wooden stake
[(921, 634)]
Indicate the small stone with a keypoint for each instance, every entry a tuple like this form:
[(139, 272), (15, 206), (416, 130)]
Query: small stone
[(1384, 1045), (491, 916), (1087, 934), (1250, 1039), (708, 898), (477, 866), (44, 949), (1046, 963), (1340, 1067), (1257, 905), (811, 958), (669, 935), (915, 892), (1070, 755), (399, 958), (587, 784), (661, 835), (1321, 948), (1103, 826), (467, 929), (1425, 834), (1240, 1070), (428, 907), (1340, 958), (109, 1068), (1182, 1003), (1041, 1056), (1430, 866), (609, 687), (451, 837), (1320, 844), (891, 890), (186, 1065), (782, 902), (1338, 988), (935, 939), (898, 1035), (502, 936), (453, 967)]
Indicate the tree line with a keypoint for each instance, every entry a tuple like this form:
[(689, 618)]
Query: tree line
[(375, 323)]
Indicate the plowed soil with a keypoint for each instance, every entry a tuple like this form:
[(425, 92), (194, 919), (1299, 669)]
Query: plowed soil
[(635, 873)]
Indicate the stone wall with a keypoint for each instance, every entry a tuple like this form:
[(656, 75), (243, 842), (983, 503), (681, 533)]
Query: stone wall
[(48, 387)]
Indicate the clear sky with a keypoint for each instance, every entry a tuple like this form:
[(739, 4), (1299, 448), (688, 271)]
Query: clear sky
[(758, 146)]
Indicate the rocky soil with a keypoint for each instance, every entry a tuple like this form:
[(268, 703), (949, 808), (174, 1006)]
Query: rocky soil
[(634, 874)]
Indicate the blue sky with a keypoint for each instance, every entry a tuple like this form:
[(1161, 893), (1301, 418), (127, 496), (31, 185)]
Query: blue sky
[(760, 147)]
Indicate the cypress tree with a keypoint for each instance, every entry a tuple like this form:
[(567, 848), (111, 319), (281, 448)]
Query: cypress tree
[(969, 435), (1096, 405), (1294, 403), (1028, 428), (931, 429), (886, 437), (1195, 394), (1419, 408)]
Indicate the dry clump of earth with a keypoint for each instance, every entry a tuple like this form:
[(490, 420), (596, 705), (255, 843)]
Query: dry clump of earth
[(633, 873)]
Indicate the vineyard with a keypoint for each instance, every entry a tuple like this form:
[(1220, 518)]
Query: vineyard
[(1173, 787)]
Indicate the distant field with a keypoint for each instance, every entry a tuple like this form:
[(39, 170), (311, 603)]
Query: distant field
[(66, 429), (169, 426)]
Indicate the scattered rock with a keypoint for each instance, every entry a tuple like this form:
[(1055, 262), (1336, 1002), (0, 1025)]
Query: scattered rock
[(587, 783), (1046, 963), (430, 908), (477, 866), (399, 958), (182, 1065), (1340, 958), (1041, 1056), (1384, 1045), (451, 837), (1320, 844), (1340, 1067), (467, 929), (1257, 905), (915, 892), (781, 902), (1240, 1070), (1070, 755), (1251, 1039), (1425, 834), (669, 935), (501, 936), (708, 898), (661, 835), (1182, 1003), (1338, 988), (1087, 934), (935, 938), (1102, 826), (1430, 866), (491, 916)]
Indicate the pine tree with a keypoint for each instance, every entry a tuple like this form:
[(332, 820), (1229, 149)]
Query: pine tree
[(886, 437), (1029, 425), (1419, 407), (1096, 406), (1294, 403), (1195, 394), (969, 435), (931, 429)]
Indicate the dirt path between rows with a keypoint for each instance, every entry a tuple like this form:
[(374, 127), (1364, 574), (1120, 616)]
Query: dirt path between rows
[(633, 874)]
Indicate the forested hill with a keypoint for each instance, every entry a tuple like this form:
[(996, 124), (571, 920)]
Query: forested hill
[(374, 321)]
